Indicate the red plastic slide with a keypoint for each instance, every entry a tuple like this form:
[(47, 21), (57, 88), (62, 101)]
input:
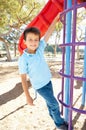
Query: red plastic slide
[(43, 20)]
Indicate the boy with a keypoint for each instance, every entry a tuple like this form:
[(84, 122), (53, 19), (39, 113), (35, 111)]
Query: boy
[(32, 62)]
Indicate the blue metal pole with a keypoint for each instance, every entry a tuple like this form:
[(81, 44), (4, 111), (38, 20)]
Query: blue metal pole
[(67, 57), (84, 75)]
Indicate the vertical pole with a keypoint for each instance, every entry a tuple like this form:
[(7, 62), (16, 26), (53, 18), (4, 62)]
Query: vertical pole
[(84, 75), (72, 63), (63, 55), (67, 57)]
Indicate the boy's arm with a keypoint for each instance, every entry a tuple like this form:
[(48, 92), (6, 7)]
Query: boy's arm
[(25, 88), (51, 28)]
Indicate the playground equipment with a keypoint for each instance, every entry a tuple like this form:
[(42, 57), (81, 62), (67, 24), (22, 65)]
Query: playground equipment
[(68, 60), (43, 20)]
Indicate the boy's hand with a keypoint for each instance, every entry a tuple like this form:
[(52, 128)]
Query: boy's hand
[(30, 101)]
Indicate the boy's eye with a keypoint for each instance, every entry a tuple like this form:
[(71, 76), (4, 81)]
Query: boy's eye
[(36, 40), (31, 40)]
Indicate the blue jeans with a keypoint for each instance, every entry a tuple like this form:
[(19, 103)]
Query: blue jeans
[(53, 107)]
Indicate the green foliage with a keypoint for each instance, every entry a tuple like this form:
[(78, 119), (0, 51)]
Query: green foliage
[(58, 26), (15, 13), (58, 49), (50, 48)]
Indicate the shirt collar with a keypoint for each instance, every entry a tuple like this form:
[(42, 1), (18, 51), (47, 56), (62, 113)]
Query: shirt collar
[(25, 52)]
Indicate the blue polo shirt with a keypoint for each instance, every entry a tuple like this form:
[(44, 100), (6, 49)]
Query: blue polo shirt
[(35, 66)]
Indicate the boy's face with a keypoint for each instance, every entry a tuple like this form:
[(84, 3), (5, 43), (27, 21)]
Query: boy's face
[(32, 42)]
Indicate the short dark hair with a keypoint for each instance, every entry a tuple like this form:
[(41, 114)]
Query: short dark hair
[(34, 30)]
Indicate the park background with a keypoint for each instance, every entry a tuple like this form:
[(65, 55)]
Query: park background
[(15, 114)]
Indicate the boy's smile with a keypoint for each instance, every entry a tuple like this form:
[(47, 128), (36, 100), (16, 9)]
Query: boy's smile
[(32, 42)]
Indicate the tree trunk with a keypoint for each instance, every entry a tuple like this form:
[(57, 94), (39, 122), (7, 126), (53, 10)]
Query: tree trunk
[(14, 49), (7, 49), (8, 53)]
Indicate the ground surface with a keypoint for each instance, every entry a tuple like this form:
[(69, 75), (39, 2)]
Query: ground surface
[(15, 114)]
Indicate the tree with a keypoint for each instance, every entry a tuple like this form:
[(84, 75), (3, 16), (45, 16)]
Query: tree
[(58, 36), (14, 14), (49, 48)]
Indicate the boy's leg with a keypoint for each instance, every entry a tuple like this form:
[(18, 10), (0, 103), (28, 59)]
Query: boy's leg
[(47, 93)]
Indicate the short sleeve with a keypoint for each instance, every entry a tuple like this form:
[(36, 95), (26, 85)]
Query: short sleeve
[(22, 66), (42, 45)]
